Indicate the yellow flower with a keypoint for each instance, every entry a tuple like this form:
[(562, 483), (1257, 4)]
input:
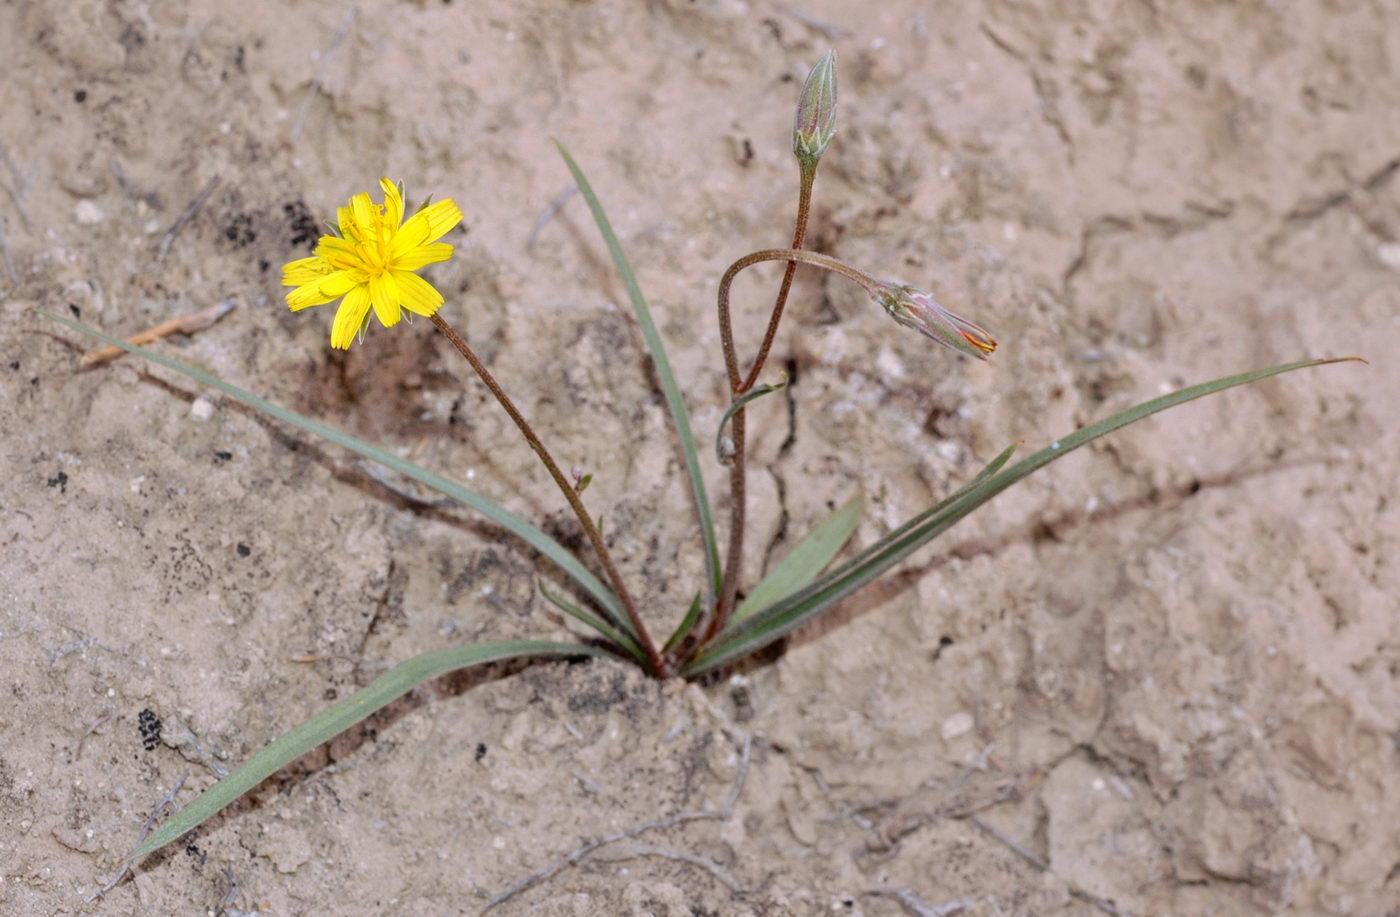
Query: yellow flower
[(372, 262)]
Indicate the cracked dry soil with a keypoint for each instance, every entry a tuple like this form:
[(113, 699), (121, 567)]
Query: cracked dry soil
[(1161, 677)]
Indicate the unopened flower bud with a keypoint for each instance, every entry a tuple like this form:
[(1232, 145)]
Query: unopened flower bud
[(816, 112), (917, 309)]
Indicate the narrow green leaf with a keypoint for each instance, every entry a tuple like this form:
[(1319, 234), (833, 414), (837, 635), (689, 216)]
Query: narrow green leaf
[(692, 617), (491, 510), (752, 606), (991, 468), (804, 562), (675, 401), (724, 455), (339, 717), (786, 615), (626, 643)]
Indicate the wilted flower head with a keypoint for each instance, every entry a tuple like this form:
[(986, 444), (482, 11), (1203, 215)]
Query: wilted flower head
[(815, 124), (371, 263), (917, 309)]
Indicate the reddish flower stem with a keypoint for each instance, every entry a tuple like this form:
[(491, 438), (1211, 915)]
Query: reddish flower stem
[(654, 660), (799, 235), (738, 385)]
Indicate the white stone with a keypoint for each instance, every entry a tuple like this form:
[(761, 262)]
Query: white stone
[(202, 409), (88, 213), (957, 724), (949, 451)]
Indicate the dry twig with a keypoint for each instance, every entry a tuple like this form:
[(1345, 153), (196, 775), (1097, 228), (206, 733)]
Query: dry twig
[(554, 207), (96, 725), (916, 906), (151, 199), (1108, 907), (956, 800), (227, 901), (169, 237), (827, 30), (145, 830), (578, 855), (669, 853), (385, 478), (185, 324), (19, 190), (5, 250), (316, 81)]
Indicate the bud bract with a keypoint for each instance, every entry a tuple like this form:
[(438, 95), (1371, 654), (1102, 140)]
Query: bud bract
[(815, 124), (917, 309)]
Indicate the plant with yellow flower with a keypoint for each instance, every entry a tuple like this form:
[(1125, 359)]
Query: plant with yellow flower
[(370, 263)]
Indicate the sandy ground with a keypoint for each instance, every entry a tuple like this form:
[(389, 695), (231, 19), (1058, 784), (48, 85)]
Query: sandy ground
[(1167, 668)]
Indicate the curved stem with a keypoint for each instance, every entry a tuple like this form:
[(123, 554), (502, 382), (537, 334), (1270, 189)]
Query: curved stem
[(658, 666), (726, 328), (737, 478)]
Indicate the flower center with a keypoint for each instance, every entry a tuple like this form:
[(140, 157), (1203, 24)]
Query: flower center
[(373, 248)]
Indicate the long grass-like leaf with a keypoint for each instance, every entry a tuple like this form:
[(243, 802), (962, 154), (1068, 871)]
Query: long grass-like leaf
[(675, 401), (329, 723), (752, 605), (781, 618), (804, 562), (488, 508), (990, 469), (623, 641), (692, 617)]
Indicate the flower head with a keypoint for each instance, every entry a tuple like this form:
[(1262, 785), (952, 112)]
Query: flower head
[(815, 123), (917, 309), (372, 262)]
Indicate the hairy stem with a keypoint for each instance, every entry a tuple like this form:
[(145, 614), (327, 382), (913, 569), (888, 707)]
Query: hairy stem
[(657, 664), (734, 559), (729, 585), (804, 207), (737, 477)]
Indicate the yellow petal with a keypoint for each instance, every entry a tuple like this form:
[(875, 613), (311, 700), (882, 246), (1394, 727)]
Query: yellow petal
[(337, 284), (384, 294), (363, 209), (422, 256), (350, 318), (304, 297), (442, 216), (304, 270), (425, 226), (416, 294), (412, 234), (393, 203), (339, 254), (346, 218)]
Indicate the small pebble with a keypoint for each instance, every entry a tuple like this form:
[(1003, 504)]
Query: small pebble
[(1389, 253), (957, 724), (202, 409), (88, 213)]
